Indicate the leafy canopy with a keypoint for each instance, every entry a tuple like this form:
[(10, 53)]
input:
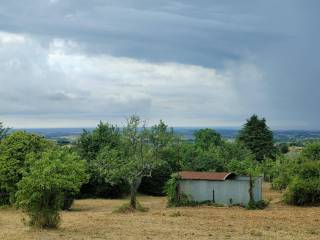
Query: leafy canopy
[(204, 138)]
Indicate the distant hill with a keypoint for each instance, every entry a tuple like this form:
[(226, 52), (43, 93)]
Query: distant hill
[(185, 132)]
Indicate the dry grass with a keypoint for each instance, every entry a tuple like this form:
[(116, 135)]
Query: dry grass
[(93, 219)]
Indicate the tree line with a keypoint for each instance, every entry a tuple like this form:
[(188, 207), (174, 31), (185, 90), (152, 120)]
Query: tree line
[(42, 177)]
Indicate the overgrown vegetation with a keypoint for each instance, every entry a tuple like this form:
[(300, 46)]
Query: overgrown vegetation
[(175, 198)]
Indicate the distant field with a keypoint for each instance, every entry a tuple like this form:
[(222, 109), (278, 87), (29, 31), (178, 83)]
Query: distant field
[(93, 219)]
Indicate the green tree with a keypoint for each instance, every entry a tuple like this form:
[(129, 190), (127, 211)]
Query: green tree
[(168, 149), (90, 143), (137, 157), (89, 146), (204, 138), (3, 131), (14, 150), (42, 189), (215, 158), (258, 138)]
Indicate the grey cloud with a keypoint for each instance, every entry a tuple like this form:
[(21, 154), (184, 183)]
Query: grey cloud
[(273, 48)]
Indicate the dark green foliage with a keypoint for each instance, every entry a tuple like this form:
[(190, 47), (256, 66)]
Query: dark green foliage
[(42, 190), (258, 138), (303, 192), (283, 148), (204, 138), (14, 150), (215, 158), (4, 198), (68, 200), (304, 188), (168, 150), (99, 188), (89, 146), (154, 185), (90, 143)]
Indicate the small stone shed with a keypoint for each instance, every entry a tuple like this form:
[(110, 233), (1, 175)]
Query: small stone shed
[(219, 187)]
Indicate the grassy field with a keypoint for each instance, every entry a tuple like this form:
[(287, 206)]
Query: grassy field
[(93, 219)]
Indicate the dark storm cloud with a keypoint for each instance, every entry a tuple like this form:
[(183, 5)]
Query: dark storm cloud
[(265, 51)]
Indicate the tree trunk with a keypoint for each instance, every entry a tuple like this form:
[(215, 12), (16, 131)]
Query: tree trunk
[(133, 192), (251, 198)]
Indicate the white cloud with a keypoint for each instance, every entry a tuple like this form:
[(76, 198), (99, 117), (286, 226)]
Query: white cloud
[(7, 38), (62, 82)]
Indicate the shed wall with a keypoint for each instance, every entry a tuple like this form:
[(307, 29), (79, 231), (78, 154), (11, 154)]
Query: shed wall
[(235, 191)]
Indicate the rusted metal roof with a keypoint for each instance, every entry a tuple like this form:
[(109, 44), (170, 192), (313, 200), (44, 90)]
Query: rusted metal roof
[(211, 176)]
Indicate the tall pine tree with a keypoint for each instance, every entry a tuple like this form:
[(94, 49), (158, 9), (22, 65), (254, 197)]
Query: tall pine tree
[(3, 131), (257, 137)]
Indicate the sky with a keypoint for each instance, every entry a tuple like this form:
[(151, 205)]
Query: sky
[(71, 63)]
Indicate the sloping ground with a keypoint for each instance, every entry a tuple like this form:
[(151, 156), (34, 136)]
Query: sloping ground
[(93, 219)]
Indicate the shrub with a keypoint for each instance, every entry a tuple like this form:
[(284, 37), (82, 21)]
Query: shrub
[(312, 151), (303, 192), (41, 191), (14, 150), (175, 197), (304, 189)]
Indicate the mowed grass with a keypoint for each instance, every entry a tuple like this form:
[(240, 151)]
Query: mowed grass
[(94, 219)]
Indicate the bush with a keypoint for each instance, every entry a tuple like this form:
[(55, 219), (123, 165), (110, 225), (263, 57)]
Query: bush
[(281, 182), (303, 192), (41, 192), (176, 198), (14, 150), (312, 151)]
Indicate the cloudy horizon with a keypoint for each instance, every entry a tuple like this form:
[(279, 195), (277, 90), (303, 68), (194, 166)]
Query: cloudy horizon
[(68, 63)]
